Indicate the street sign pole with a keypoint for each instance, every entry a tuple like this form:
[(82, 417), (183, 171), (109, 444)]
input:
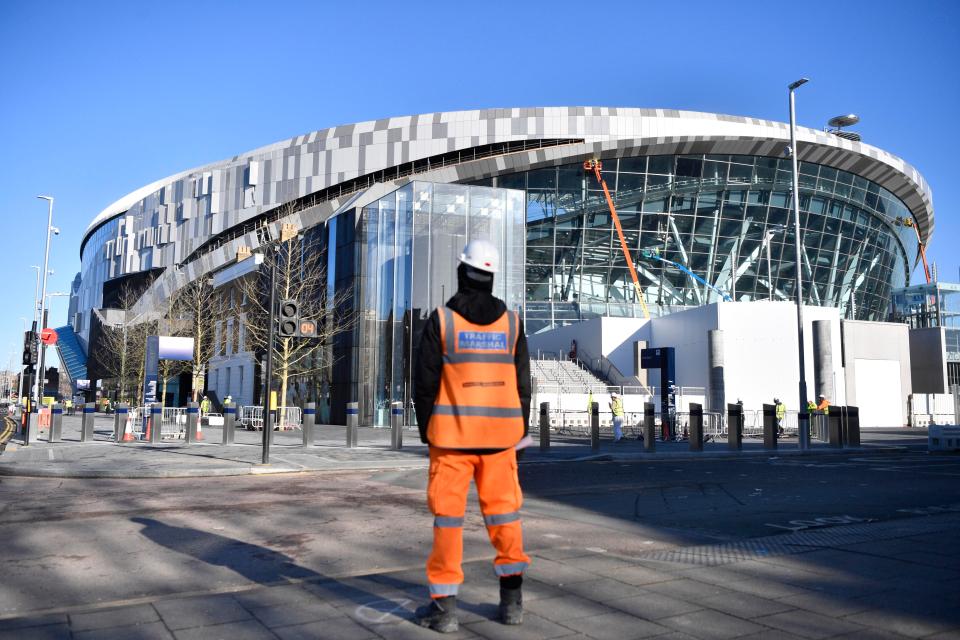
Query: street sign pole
[(268, 377)]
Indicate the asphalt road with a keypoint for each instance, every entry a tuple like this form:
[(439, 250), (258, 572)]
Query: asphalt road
[(70, 543)]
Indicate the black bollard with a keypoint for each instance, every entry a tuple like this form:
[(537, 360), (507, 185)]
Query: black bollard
[(851, 434), (734, 426), (595, 426), (769, 426), (696, 427), (544, 426)]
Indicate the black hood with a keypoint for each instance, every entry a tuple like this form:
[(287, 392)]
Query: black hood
[(474, 300)]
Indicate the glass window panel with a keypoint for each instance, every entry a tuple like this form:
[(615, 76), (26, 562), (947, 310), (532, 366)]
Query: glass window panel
[(688, 167), (542, 178), (660, 164), (655, 182), (635, 164), (629, 182), (570, 178), (740, 173), (512, 181)]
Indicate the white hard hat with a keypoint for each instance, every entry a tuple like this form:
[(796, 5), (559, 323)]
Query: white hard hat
[(482, 255)]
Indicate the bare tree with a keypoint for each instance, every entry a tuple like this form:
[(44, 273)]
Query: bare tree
[(191, 312), (301, 276), (124, 347)]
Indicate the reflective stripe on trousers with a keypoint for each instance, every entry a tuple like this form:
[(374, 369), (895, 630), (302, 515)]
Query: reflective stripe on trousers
[(498, 490)]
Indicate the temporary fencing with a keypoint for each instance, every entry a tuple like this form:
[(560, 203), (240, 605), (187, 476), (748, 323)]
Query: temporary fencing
[(252, 418), (173, 422), (577, 423)]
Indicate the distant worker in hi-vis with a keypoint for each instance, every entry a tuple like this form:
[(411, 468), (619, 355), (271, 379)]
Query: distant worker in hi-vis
[(472, 397)]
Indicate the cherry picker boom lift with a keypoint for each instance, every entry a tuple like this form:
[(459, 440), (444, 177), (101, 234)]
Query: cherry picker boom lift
[(595, 165)]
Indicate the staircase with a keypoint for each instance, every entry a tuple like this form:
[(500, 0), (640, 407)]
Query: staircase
[(564, 373), (71, 354)]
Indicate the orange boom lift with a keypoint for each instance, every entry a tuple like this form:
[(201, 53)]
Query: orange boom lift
[(908, 222), (595, 165)]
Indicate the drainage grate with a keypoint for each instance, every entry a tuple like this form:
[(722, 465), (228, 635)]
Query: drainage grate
[(801, 541)]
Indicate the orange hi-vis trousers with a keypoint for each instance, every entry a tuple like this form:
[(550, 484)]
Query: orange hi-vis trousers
[(499, 491)]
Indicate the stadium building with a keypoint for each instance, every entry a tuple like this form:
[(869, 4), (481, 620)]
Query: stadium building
[(704, 200)]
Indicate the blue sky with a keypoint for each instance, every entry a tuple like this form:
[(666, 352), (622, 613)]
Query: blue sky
[(100, 98)]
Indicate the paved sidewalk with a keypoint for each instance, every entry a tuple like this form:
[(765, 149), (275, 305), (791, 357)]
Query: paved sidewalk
[(854, 581), (106, 459)]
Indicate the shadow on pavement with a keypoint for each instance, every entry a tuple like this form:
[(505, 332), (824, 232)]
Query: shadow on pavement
[(267, 567)]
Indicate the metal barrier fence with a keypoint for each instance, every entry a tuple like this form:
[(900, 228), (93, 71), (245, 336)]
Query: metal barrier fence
[(577, 423), (252, 418), (173, 422)]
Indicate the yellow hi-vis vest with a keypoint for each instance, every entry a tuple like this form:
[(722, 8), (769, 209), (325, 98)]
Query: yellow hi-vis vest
[(478, 405)]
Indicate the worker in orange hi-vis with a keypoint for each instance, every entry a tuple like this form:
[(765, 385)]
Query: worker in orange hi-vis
[(472, 396)]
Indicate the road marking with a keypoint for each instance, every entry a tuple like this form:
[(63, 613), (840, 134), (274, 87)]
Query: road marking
[(380, 610), (827, 521)]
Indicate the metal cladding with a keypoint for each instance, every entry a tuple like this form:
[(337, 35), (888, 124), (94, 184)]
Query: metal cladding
[(201, 217)]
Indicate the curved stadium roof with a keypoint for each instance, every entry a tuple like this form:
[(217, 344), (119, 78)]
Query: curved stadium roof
[(346, 152)]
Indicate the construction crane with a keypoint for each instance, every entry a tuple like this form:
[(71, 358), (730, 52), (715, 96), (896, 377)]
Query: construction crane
[(908, 222), (595, 165)]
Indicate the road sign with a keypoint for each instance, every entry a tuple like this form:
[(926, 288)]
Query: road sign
[(48, 337)]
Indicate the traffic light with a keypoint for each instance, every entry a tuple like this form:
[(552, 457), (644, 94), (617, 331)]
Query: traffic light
[(289, 321), (30, 355)]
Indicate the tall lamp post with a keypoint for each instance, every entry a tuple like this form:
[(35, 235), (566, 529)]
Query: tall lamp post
[(796, 241), (38, 385)]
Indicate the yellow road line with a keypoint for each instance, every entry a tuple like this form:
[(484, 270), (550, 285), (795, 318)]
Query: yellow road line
[(8, 431)]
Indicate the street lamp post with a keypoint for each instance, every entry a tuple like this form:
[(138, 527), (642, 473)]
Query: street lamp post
[(38, 385), (797, 246)]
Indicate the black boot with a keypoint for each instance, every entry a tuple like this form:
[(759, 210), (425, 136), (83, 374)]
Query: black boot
[(440, 615), (511, 606)]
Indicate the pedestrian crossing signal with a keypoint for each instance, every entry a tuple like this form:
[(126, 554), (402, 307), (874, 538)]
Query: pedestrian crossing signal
[(308, 329), (289, 319)]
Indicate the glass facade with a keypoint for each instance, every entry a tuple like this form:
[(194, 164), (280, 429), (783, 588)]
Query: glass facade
[(724, 218), (396, 259)]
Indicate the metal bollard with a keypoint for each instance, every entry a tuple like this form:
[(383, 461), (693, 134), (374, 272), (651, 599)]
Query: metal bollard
[(193, 418), (595, 426), (156, 423), (696, 427), (31, 427), (835, 429), (309, 422), (353, 418), (396, 425), (544, 426), (229, 423), (56, 423), (769, 426), (120, 421), (649, 427), (86, 421), (734, 426), (803, 431)]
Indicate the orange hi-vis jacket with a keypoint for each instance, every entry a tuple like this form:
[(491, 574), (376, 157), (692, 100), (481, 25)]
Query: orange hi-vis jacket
[(478, 405)]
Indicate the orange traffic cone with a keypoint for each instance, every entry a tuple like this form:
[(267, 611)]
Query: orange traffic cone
[(147, 435), (199, 429), (128, 430)]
